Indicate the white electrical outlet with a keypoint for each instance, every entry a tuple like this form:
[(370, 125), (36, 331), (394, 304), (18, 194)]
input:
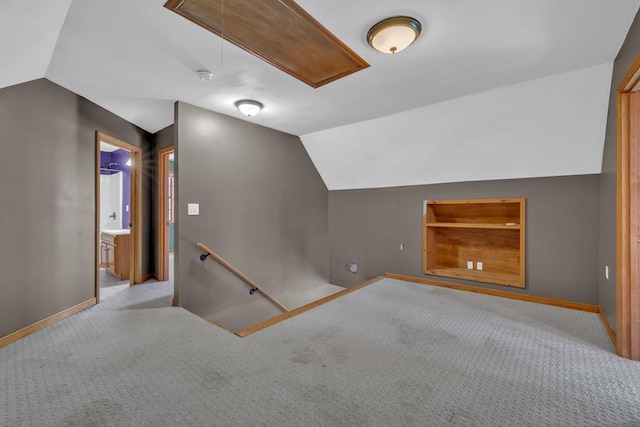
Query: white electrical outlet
[(469, 265), (479, 266), (193, 208), (606, 272)]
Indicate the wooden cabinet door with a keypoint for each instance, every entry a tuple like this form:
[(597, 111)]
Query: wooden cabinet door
[(110, 258)]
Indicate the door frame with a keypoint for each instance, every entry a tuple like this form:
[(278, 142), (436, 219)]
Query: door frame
[(163, 236), (135, 264), (628, 220)]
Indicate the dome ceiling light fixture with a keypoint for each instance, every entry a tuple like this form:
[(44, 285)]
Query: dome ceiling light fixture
[(248, 107), (394, 34)]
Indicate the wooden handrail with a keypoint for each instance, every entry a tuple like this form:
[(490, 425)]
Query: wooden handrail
[(238, 273)]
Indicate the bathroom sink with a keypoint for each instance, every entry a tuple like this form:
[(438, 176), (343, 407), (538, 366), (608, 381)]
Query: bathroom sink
[(116, 232)]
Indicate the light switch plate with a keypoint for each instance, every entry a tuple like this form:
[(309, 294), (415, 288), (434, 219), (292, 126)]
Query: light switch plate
[(193, 208)]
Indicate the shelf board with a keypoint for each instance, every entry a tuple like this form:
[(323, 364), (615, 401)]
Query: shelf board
[(474, 225), (501, 201), (478, 276)]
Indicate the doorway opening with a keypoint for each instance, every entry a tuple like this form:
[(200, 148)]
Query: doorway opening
[(117, 215), (166, 214), (628, 214)]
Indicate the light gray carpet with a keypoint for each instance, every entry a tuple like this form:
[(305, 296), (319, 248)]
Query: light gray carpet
[(393, 353), (107, 280)]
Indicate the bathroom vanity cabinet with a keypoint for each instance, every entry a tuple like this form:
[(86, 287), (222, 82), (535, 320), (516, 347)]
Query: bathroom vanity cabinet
[(115, 252)]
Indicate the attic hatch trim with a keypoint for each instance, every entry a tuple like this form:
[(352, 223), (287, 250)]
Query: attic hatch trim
[(313, 54)]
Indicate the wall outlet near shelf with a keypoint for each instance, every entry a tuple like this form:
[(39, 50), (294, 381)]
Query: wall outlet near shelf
[(469, 265), (479, 265)]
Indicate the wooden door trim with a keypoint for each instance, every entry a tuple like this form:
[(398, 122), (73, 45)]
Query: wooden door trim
[(627, 286), (634, 224), (163, 240), (135, 272)]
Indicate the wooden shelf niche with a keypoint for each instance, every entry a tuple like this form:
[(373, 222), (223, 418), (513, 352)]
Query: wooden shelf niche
[(490, 231)]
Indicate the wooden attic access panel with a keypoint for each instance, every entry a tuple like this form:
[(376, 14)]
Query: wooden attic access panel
[(491, 231), (278, 31)]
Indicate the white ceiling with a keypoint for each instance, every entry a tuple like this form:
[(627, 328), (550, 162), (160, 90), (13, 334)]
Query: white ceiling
[(136, 58), (29, 30), (545, 127), (108, 148)]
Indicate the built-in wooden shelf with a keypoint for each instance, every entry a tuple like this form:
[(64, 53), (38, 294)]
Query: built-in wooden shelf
[(490, 231), (470, 225)]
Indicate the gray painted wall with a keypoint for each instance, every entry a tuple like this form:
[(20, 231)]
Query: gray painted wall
[(263, 207), (368, 226), (607, 256), (47, 189), (161, 139)]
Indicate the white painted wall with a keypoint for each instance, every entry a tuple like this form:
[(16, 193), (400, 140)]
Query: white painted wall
[(552, 126)]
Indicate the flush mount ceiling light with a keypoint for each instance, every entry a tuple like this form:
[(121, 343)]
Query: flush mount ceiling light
[(394, 34), (248, 107), (204, 75)]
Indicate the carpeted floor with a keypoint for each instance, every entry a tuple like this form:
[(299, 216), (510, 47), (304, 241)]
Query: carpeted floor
[(393, 353), (110, 284)]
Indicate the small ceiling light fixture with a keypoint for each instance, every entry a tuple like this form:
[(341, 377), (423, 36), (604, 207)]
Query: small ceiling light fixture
[(204, 75), (248, 107), (394, 34)]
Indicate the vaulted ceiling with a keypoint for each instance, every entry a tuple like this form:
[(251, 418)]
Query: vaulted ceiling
[(476, 97)]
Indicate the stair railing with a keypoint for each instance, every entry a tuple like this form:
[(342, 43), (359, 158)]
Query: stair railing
[(254, 287)]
